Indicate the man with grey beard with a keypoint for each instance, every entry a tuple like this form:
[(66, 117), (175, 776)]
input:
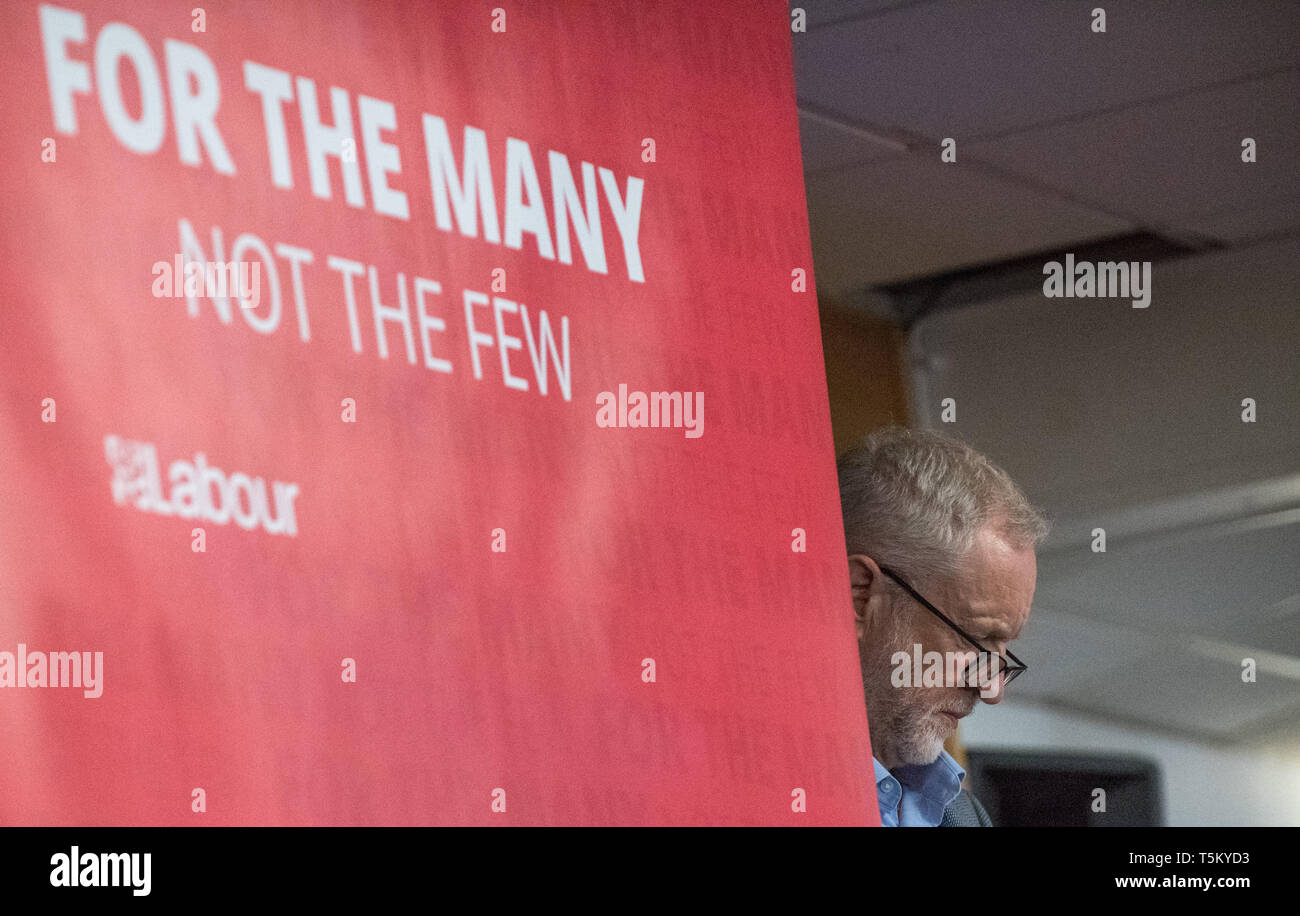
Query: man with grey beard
[(941, 559)]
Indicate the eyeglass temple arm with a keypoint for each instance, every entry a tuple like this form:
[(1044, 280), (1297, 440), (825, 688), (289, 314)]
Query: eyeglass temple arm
[(940, 614)]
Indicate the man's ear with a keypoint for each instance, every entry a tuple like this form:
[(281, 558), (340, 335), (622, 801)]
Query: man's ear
[(868, 591)]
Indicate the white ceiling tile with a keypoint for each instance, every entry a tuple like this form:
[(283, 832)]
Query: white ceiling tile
[(1183, 690), (1092, 403), (1170, 159), (1269, 218), (1219, 588), (1064, 651), (1275, 631), (900, 218), (971, 68), (828, 145), (821, 12)]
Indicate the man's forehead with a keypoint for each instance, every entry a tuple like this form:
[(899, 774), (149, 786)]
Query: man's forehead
[(1006, 624), (997, 590)]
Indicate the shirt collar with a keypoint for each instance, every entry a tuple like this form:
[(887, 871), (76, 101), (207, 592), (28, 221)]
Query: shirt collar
[(940, 780)]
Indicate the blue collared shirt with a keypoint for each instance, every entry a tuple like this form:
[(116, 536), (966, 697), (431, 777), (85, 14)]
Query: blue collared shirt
[(925, 791)]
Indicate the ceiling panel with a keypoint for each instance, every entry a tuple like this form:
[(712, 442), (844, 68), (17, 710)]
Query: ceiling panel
[(900, 218), (1171, 159), (1217, 587), (1065, 651), (1276, 628), (827, 145), (1092, 403), (976, 68), (1185, 691), (821, 13), (1274, 217)]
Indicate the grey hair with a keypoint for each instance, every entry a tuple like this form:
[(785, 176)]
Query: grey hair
[(915, 500)]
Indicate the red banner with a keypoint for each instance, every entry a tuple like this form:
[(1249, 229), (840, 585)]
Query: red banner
[(415, 414)]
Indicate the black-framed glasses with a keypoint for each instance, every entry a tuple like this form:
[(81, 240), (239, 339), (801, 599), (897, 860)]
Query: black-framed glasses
[(1008, 667)]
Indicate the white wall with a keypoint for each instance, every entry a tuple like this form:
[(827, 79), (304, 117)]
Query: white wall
[(1202, 785)]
